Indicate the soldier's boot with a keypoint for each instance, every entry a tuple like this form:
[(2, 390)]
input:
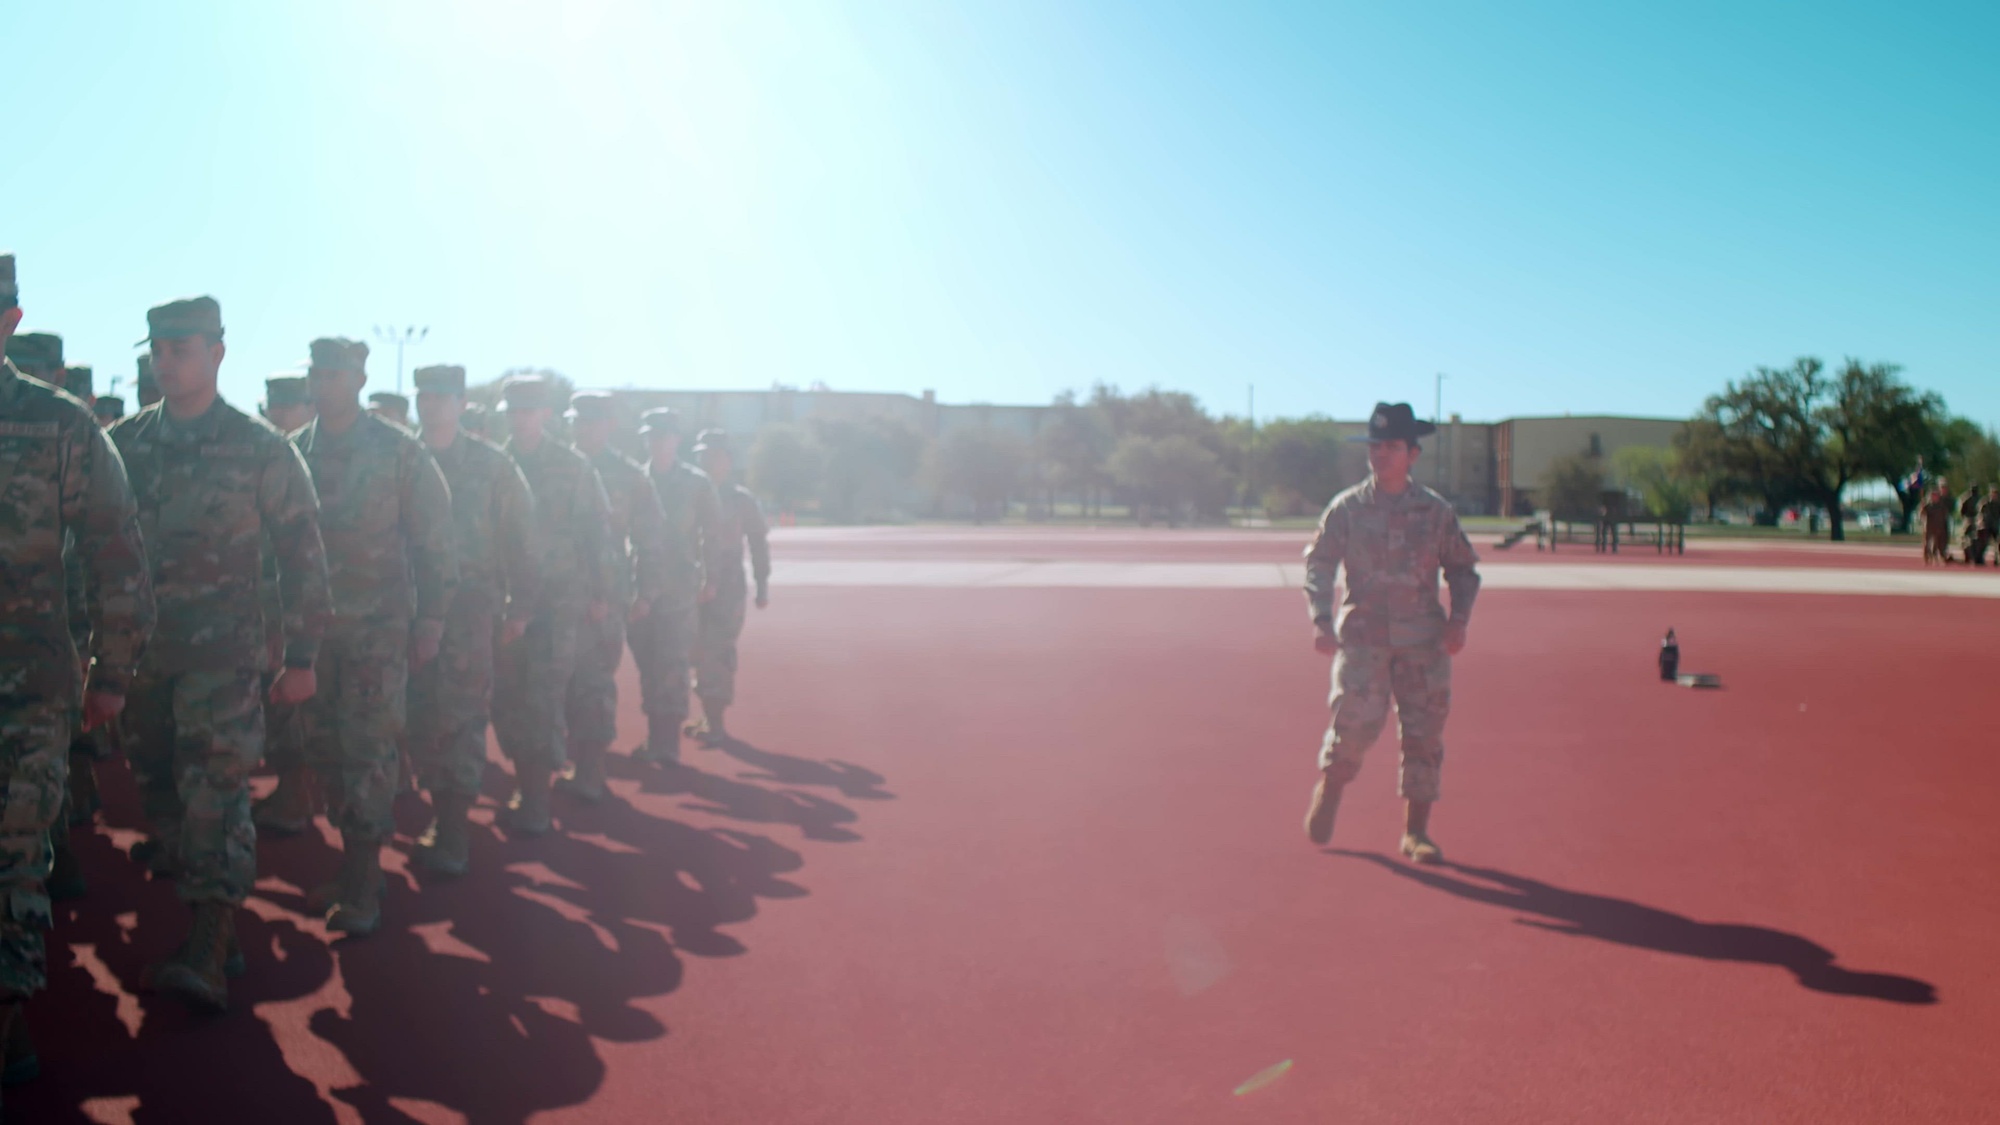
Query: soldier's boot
[(198, 972), (357, 912), (712, 731), (663, 742), (233, 963), (585, 778), (21, 1063), (528, 810), (289, 809), (65, 879), (84, 801), (1320, 814), (446, 848), (1418, 847), (157, 856)]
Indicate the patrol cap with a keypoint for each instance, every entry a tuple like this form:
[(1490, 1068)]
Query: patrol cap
[(1394, 421), (39, 351), (717, 440), (590, 406), (108, 408), (338, 353), (392, 400), (189, 316), (529, 392), (660, 420), (441, 378), (10, 294), (286, 390), (474, 418), (78, 380)]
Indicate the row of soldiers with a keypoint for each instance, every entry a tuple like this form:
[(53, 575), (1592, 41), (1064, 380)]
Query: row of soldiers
[(1978, 511), (338, 593)]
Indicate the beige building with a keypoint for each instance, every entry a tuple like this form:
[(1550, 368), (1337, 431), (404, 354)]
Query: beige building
[(1523, 449)]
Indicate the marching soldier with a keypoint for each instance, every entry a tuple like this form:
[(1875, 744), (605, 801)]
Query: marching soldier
[(1391, 638), (217, 491), (499, 560), (385, 514), (721, 621), (532, 676), (390, 406), (1936, 514), (663, 640), (291, 806), (1973, 542), (60, 479), (638, 548)]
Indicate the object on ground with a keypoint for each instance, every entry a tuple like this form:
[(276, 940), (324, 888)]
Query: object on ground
[(1700, 680), (1670, 657)]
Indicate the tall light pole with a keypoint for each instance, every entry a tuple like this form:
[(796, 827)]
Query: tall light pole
[(402, 338), (1437, 411)]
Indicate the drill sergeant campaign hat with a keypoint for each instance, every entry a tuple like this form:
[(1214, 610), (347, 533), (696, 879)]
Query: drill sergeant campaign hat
[(39, 354), (189, 316), (108, 408), (660, 420), (590, 406), (1394, 421), (79, 380), (338, 353), (286, 390), (528, 392), (10, 293), (439, 378)]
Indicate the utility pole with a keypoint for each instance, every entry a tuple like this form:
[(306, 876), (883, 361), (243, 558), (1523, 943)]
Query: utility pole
[(1437, 410), (1250, 458), (401, 337)]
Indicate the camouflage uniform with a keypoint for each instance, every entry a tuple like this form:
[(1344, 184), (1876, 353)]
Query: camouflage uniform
[(638, 548), (499, 555), (218, 494), (1988, 518), (1936, 513), (721, 619), (1390, 625), (663, 640), (58, 475), (1973, 542), (282, 745), (532, 675), (385, 514)]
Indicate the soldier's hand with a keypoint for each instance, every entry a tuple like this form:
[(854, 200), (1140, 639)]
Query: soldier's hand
[(100, 708), (1454, 637), (763, 597), (294, 686), (639, 610), (512, 628), (707, 593), (599, 610), (425, 640), (1324, 642)]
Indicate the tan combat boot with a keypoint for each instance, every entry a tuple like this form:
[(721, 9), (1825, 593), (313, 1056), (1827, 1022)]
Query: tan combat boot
[(1417, 844), (710, 730), (446, 849), (357, 912), (528, 810), (663, 742), (1325, 803), (585, 778), (198, 971), (289, 809)]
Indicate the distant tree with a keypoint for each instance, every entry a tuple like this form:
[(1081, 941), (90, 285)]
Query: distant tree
[(1573, 487), (867, 464), (1075, 441), (1654, 473), (1299, 464), (786, 465), (1171, 475), (984, 466), (1972, 454)]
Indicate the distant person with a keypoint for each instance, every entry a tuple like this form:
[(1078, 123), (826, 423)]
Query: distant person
[(1970, 538), (741, 522), (289, 810), (107, 409), (1989, 520), (663, 641), (1936, 515), (80, 380), (1391, 639), (288, 402), (390, 407), (146, 388)]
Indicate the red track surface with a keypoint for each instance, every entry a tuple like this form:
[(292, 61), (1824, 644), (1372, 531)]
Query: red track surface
[(1034, 856)]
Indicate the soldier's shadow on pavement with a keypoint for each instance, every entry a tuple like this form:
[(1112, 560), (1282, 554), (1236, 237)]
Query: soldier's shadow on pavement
[(482, 995), (1623, 922)]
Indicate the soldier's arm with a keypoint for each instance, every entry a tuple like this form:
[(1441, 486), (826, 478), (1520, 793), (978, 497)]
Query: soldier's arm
[(1323, 558), (759, 534), (520, 542), (593, 536), (648, 529), (289, 508), (97, 503), (707, 526), (1460, 565), (433, 540)]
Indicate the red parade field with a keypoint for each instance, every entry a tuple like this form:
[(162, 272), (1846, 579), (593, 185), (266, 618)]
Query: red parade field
[(1032, 854)]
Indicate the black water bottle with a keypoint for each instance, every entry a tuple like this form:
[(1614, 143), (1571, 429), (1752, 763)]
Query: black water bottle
[(1670, 657)]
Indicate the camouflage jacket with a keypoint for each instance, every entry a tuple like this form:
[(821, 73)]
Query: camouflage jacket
[(1389, 550), (60, 477), (693, 518), (741, 521), (1989, 512), (499, 542), (638, 530), (385, 513), (212, 492), (575, 520)]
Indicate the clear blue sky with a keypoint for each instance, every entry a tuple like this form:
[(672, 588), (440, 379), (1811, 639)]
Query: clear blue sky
[(1566, 206)]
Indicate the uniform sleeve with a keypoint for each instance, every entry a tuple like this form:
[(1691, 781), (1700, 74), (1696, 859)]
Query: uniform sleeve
[(1459, 563), (708, 527), (290, 511), (593, 537), (1323, 557), (520, 540), (648, 529), (428, 529), (97, 503), (759, 535)]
